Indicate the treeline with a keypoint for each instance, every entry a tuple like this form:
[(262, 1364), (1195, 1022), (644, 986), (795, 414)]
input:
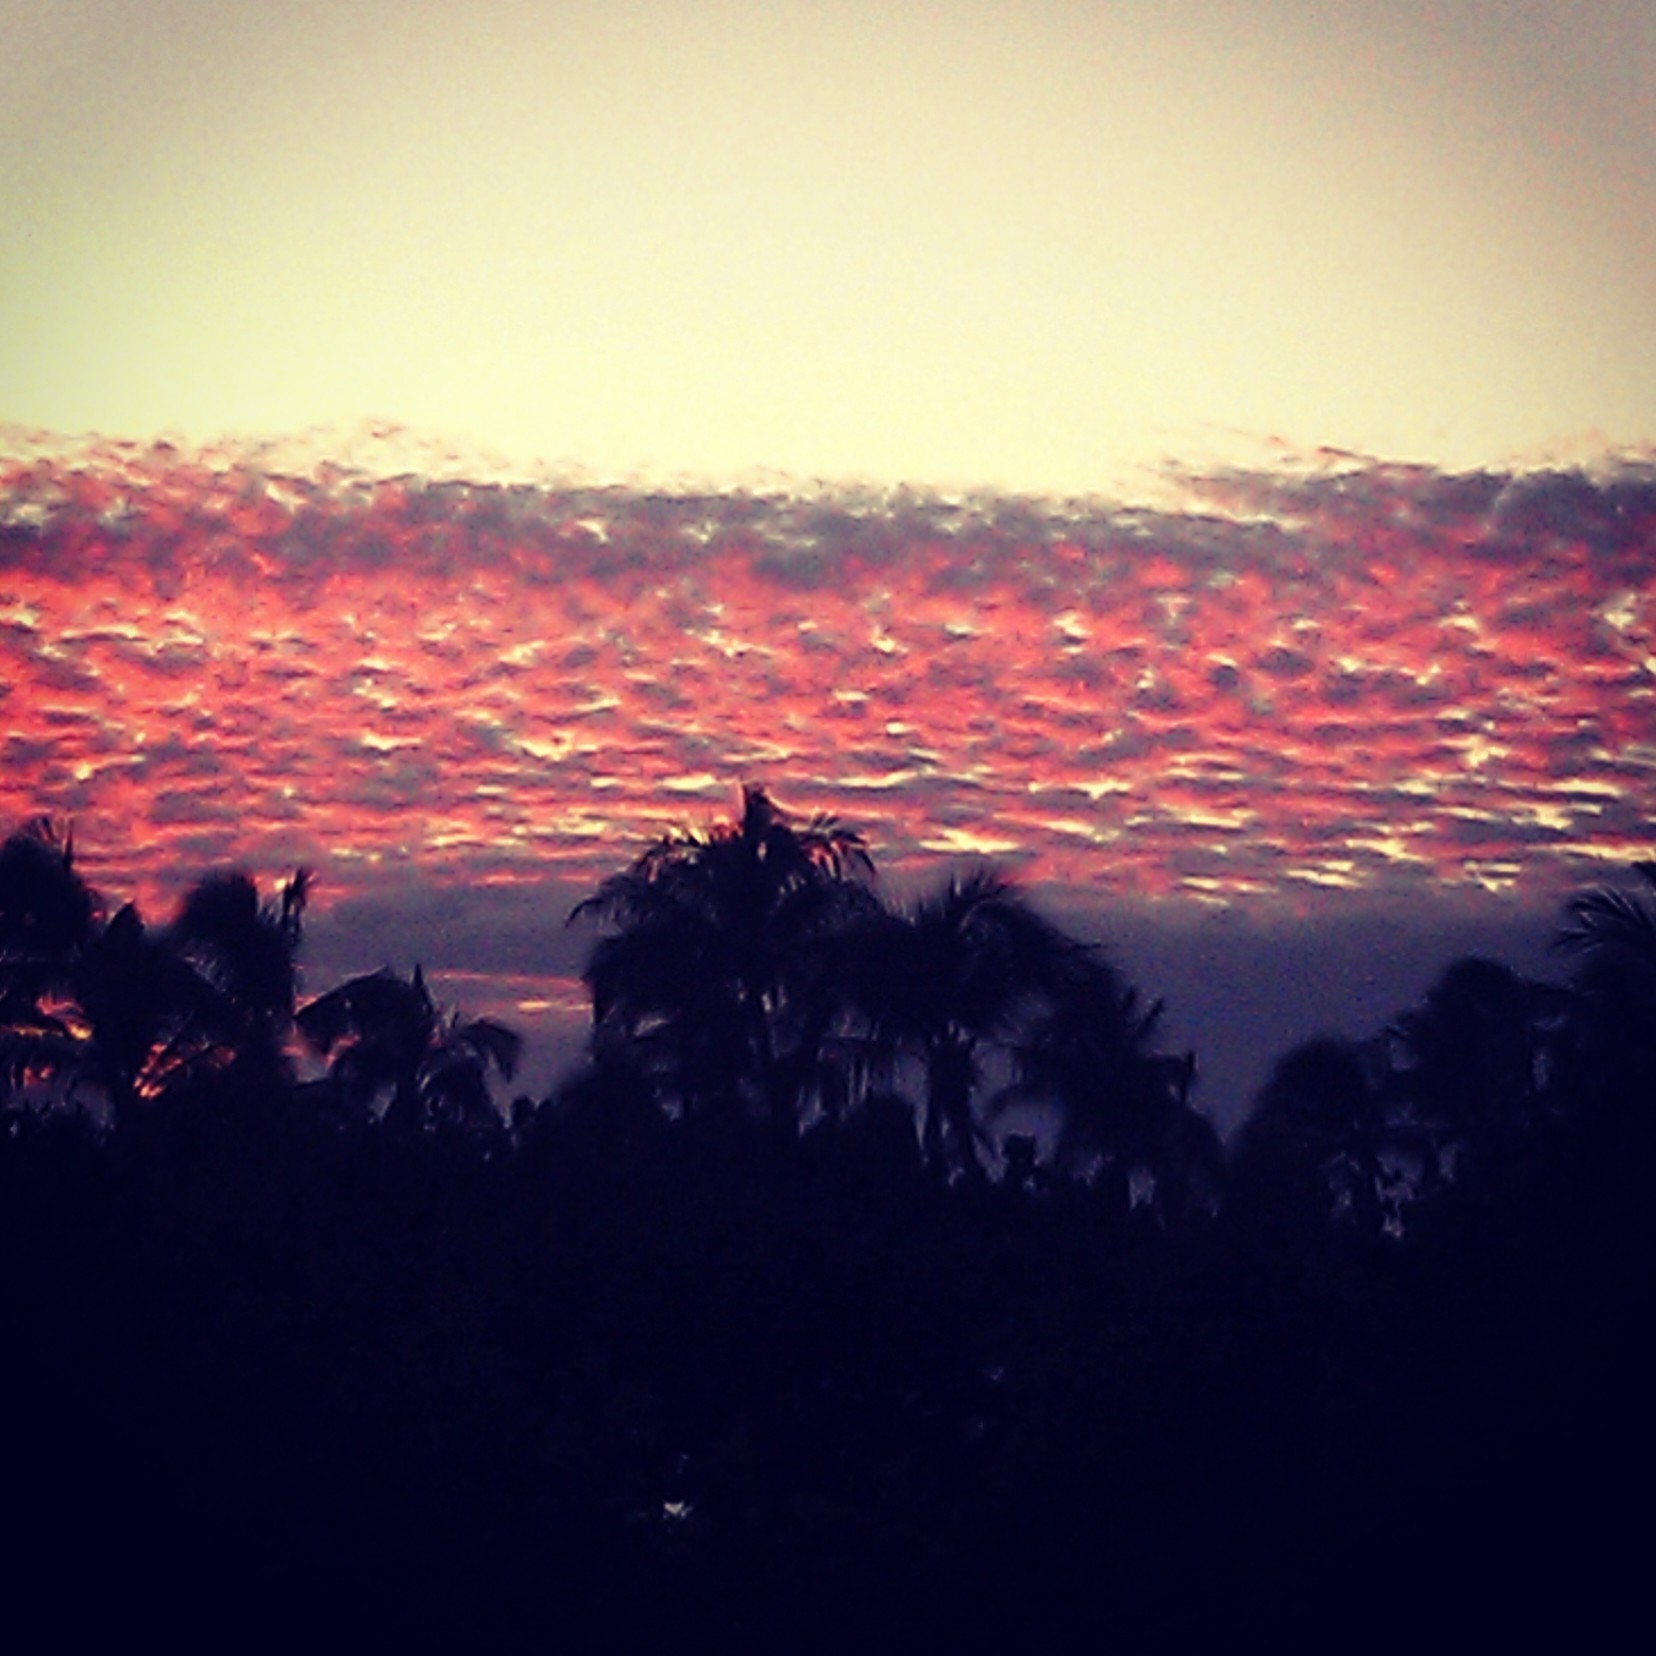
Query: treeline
[(875, 1270)]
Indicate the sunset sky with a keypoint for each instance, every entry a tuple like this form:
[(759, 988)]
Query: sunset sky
[(1030, 246), (1200, 455)]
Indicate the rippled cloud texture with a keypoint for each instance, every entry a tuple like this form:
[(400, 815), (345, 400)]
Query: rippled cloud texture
[(1349, 676)]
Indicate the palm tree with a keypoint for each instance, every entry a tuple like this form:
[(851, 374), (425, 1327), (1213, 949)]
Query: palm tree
[(385, 1038), (46, 908), (1612, 934), (947, 982), (149, 1022), (713, 970), (1468, 1063), (87, 1001), (35, 1044), (1316, 1133), (131, 1012), (1124, 1108), (47, 917), (246, 952), (1616, 930)]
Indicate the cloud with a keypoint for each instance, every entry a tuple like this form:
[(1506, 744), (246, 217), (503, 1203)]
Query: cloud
[(1342, 673)]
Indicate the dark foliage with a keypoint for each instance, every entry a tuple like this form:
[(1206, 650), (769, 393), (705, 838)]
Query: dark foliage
[(633, 1369), (388, 1043)]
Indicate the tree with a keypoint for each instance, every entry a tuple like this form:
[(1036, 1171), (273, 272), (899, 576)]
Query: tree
[(947, 981), (1314, 1139), (1614, 932), (46, 908), (106, 1004), (47, 917), (1123, 1108), (151, 1023), (385, 1038), (1611, 934), (1468, 1063), (128, 1011), (716, 968), (246, 952)]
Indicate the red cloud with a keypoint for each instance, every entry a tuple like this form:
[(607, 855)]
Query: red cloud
[(1409, 675)]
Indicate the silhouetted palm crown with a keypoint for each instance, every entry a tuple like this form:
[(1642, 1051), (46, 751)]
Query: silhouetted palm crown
[(715, 938), (384, 1034), (46, 908), (131, 1011), (948, 976)]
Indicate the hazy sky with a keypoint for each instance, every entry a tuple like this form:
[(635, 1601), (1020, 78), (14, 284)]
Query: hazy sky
[(1018, 245)]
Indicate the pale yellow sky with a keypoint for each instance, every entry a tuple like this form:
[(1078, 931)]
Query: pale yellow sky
[(1027, 246)]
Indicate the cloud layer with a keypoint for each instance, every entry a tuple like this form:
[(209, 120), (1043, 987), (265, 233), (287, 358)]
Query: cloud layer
[(1339, 676)]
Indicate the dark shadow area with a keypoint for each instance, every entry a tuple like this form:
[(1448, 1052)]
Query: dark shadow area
[(777, 1324)]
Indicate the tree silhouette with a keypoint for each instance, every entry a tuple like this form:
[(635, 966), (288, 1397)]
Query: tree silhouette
[(1611, 935), (246, 951), (47, 918), (616, 1378), (152, 1024), (108, 1005), (947, 981), (46, 908), (1123, 1108), (714, 969), (1468, 1064), (386, 1039), (1616, 930), (1314, 1140)]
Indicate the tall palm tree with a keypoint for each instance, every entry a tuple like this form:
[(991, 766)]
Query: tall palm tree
[(385, 1038), (947, 981), (1616, 930), (713, 967), (149, 1023)]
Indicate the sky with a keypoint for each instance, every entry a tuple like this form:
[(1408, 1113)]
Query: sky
[(1199, 456), (1040, 246), (1388, 702)]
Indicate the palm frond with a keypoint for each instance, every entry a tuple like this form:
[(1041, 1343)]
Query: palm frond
[(490, 1042), (1610, 923)]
